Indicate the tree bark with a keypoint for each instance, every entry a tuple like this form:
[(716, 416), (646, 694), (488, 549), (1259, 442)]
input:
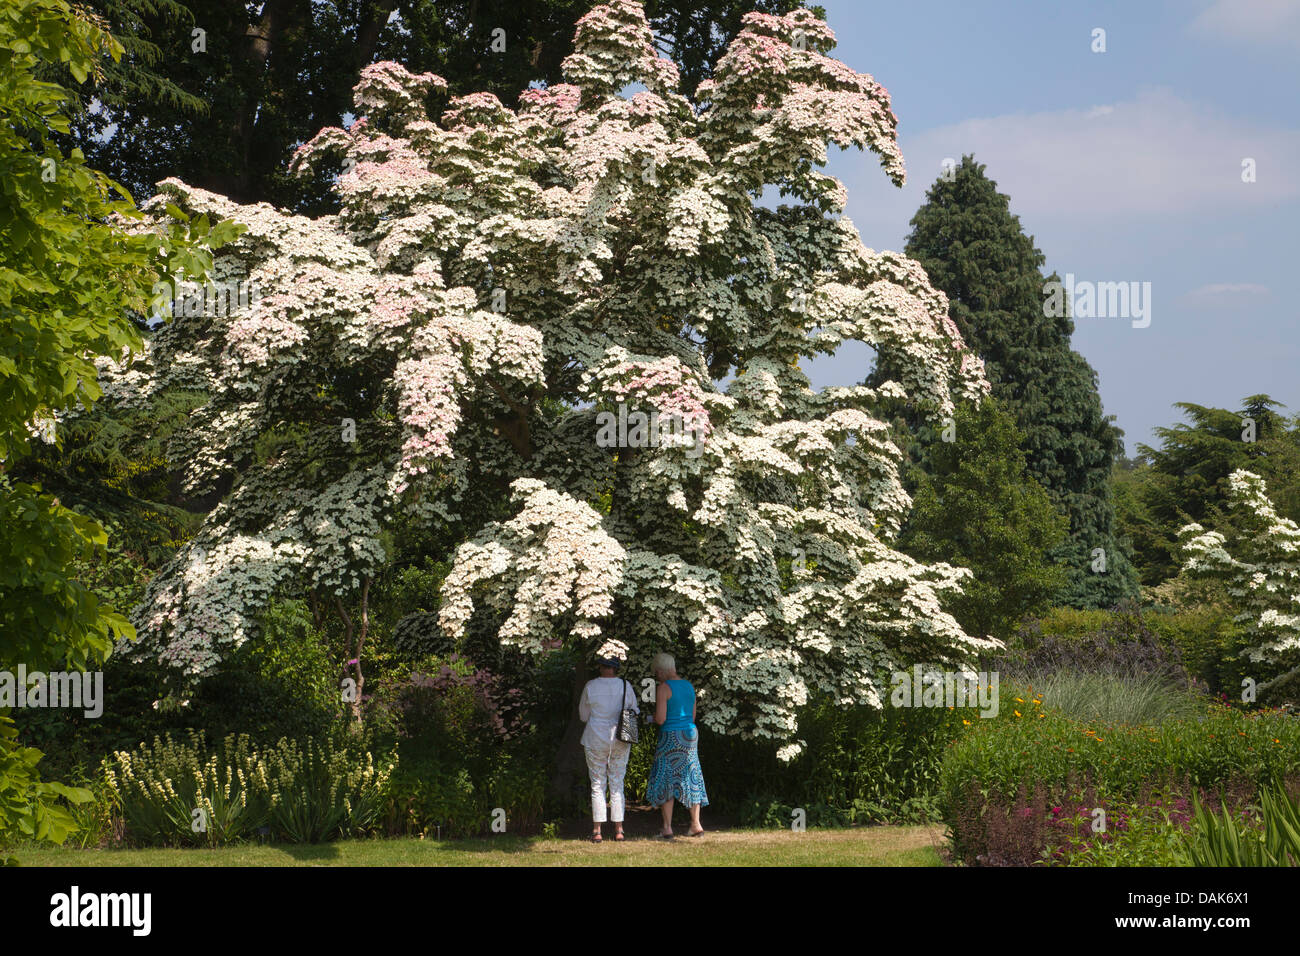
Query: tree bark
[(361, 643), (313, 599), (372, 25), (253, 50), (349, 632)]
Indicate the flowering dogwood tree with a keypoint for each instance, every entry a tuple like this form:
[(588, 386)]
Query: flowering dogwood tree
[(1259, 566), (496, 281)]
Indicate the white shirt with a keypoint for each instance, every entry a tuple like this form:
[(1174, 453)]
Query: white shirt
[(599, 708)]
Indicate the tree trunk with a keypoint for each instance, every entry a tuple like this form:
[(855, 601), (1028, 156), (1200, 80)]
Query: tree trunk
[(373, 20), (353, 651), (361, 643), (253, 50)]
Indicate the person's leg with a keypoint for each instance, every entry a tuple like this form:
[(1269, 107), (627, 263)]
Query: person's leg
[(667, 810), (695, 819), (617, 771), (596, 764)]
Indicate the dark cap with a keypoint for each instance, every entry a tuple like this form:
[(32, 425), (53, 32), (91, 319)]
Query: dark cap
[(613, 662)]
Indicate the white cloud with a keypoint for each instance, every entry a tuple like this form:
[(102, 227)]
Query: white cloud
[(1155, 154), (1261, 22)]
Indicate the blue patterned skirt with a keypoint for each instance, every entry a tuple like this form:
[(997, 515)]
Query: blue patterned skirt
[(675, 773)]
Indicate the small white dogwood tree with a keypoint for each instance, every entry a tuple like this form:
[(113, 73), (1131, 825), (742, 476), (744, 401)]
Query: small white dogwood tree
[(496, 286), (1259, 565)]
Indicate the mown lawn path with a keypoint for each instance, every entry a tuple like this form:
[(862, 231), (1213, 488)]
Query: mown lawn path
[(860, 846)]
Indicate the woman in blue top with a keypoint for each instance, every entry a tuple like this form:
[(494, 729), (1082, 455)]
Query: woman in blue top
[(675, 773)]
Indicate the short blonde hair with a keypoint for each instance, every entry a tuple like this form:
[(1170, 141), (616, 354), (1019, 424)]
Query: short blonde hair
[(663, 663)]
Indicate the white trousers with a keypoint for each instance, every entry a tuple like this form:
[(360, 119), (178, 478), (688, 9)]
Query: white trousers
[(606, 766)]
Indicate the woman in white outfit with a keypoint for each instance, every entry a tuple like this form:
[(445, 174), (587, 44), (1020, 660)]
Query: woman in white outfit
[(603, 699)]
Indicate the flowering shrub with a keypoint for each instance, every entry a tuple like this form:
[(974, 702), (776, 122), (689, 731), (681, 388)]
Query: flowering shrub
[(496, 278), (465, 746), (1260, 565), (458, 704)]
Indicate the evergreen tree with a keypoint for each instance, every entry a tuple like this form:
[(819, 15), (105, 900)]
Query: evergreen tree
[(980, 509), (976, 252), (1186, 479)]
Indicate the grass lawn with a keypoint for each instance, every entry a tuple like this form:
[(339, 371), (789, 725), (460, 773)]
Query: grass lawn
[(864, 846)]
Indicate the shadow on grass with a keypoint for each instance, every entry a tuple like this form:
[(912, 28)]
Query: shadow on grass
[(505, 843), (306, 852), (329, 852)]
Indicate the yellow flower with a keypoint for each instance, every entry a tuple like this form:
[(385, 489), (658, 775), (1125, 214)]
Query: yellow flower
[(1017, 713)]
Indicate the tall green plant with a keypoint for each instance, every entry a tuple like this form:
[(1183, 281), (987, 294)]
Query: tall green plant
[(185, 792), (1224, 839)]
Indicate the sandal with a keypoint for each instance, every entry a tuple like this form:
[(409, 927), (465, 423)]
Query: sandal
[(596, 838), (618, 837)]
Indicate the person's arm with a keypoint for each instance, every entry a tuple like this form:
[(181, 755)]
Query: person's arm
[(662, 693), (584, 704), (630, 691)]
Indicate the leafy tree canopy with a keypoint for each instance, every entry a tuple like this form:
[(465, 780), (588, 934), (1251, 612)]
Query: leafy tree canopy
[(69, 276)]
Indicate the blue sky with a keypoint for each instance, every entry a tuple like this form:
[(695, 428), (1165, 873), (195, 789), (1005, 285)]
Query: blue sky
[(1124, 166)]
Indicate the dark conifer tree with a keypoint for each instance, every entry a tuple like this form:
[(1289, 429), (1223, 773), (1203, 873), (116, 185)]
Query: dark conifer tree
[(975, 250)]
